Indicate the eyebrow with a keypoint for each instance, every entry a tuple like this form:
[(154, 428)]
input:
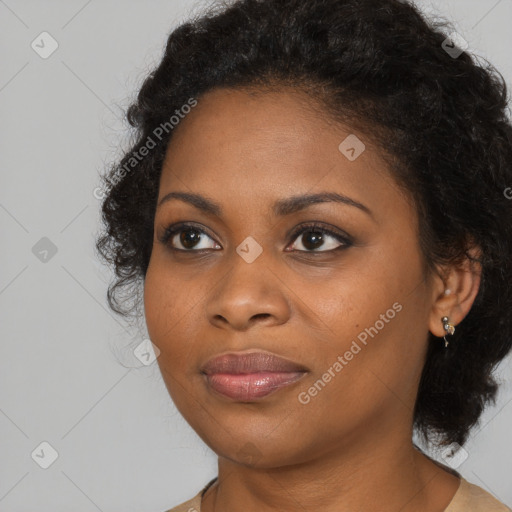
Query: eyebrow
[(280, 208)]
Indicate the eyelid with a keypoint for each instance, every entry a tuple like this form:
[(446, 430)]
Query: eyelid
[(336, 233), (172, 229)]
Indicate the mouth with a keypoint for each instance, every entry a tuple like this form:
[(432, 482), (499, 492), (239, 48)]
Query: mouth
[(250, 376)]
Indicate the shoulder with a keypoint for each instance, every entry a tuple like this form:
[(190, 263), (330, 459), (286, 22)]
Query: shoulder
[(471, 497), (193, 504)]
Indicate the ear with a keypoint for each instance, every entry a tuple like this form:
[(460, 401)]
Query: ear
[(454, 291)]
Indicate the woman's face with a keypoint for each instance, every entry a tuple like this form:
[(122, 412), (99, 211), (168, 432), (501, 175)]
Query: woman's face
[(349, 310)]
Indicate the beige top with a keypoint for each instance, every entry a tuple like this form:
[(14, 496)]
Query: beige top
[(468, 498)]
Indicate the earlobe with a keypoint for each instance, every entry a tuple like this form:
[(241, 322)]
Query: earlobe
[(455, 293)]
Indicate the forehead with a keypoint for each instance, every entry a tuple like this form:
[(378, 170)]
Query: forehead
[(246, 145)]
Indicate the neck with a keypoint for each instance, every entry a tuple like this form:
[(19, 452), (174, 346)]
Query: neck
[(385, 474)]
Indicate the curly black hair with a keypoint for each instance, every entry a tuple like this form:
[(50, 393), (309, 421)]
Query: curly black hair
[(440, 117)]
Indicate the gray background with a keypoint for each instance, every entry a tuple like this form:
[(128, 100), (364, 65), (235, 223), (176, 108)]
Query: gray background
[(67, 372)]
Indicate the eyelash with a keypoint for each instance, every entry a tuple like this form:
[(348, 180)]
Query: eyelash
[(303, 228)]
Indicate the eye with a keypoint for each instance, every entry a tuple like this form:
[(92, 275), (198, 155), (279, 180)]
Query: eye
[(191, 237), (186, 235), (317, 236)]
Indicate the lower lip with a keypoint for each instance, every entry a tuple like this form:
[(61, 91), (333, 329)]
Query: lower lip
[(251, 386)]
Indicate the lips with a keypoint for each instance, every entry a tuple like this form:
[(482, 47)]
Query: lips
[(252, 362), (250, 376)]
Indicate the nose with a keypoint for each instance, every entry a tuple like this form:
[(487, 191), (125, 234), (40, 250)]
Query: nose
[(249, 294)]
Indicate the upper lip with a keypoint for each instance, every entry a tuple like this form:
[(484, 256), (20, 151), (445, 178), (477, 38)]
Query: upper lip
[(250, 362)]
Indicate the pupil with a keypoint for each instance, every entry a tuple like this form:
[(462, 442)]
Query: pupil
[(189, 241), (312, 237)]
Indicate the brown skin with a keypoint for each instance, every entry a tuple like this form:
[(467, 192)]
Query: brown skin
[(350, 447)]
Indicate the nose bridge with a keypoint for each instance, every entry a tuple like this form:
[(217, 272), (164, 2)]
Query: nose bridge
[(248, 264)]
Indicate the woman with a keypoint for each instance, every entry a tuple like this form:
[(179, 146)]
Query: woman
[(316, 206)]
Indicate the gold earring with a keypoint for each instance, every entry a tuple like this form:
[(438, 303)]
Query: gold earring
[(448, 327)]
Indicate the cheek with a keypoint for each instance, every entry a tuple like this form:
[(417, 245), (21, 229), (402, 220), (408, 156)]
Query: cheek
[(371, 315), (156, 301), (168, 313)]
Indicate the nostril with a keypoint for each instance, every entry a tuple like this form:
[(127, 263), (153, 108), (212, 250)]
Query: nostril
[(261, 315)]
